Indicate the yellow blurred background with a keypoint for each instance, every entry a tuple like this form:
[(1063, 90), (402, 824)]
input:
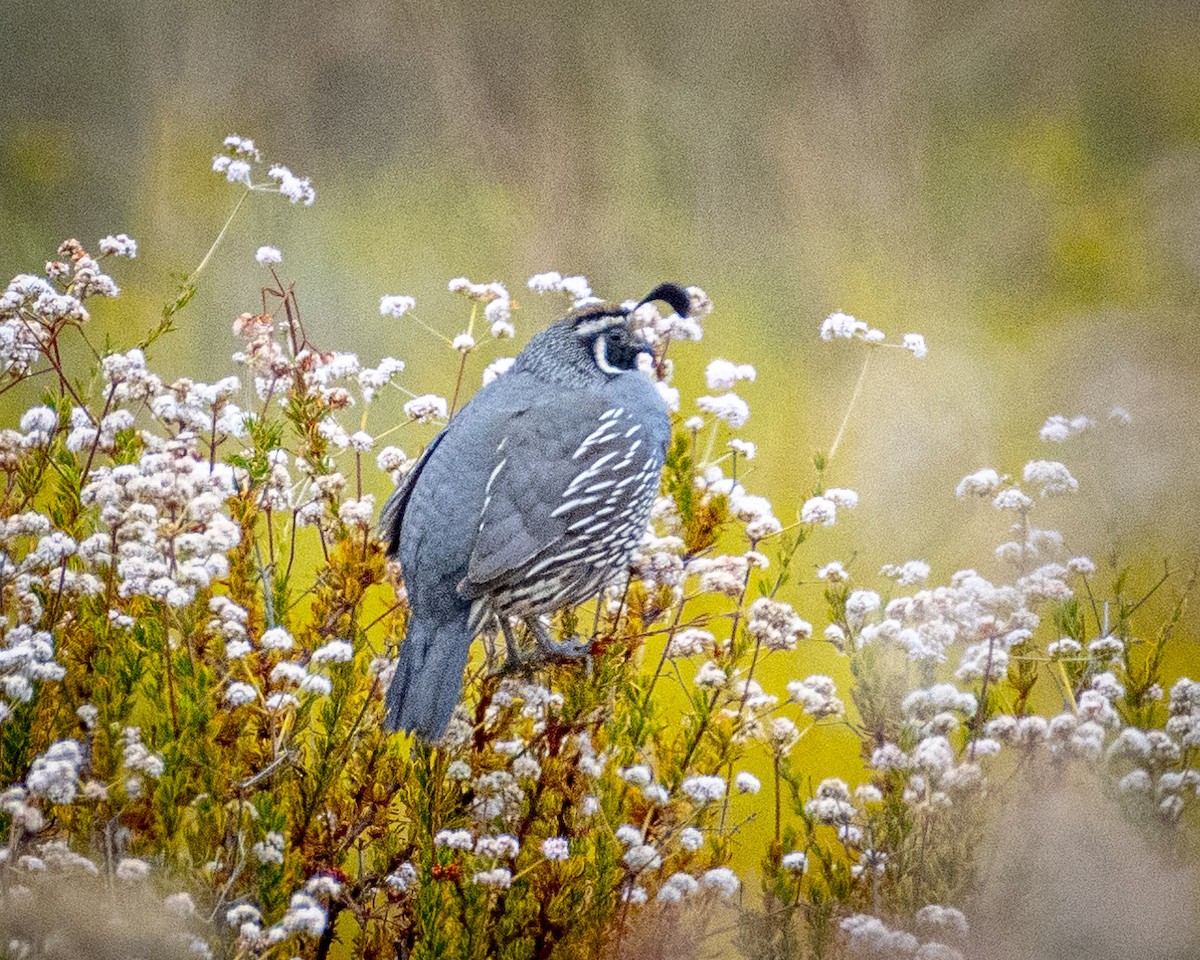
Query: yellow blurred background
[(1018, 181)]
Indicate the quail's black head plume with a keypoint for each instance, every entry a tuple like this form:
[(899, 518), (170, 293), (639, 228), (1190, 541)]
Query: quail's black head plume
[(534, 497)]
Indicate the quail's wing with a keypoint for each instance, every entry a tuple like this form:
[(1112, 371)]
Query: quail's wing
[(562, 493), (392, 517)]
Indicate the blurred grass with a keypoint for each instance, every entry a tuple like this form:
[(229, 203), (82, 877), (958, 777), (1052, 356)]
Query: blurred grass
[(1019, 182)]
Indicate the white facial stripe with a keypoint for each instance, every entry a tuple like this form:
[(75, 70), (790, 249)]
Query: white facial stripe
[(600, 351), (588, 327)]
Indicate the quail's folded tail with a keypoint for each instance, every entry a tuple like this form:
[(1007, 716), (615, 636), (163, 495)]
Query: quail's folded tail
[(428, 679)]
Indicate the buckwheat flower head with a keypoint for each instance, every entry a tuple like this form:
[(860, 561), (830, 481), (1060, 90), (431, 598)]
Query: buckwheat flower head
[(304, 915), (782, 735), (1105, 648), (497, 368), (404, 879), (710, 675), (296, 189), (396, 305), (747, 782), (454, 839), (642, 856), (315, 683), (860, 605), (268, 255), (1066, 647), (915, 343), (235, 170), (54, 775), (981, 483), (1051, 476), (794, 862), (871, 937), (691, 839), (703, 790), (723, 374), (238, 694), (635, 895), (819, 510), (498, 878), (817, 696), (628, 835), (336, 651), (776, 625), (831, 805), (41, 420), (638, 775), (834, 572), (120, 245), (425, 408), (722, 880), (556, 848), (131, 870), (545, 282), (689, 642), (276, 639), (463, 342), (678, 887), (270, 848), (501, 847), (935, 920), (728, 407), (842, 497), (841, 325)]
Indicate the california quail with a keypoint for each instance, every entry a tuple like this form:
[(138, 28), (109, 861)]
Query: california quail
[(533, 498)]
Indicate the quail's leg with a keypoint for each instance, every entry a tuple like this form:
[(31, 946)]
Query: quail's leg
[(572, 649), (514, 661)]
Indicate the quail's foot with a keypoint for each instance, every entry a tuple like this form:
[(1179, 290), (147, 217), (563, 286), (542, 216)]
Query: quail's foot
[(557, 651)]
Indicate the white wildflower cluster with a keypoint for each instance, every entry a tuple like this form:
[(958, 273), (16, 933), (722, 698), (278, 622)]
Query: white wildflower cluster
[(161, 523), (33, 309), (822, 509), (817, 696), (575, 287), (240, 159), (55, 774), (26, 655), (843, 326), (776, 625), (497, 309)]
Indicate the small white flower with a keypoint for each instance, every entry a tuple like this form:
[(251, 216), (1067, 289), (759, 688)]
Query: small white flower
[(747, 782), (841, 325), (721, 879), (498, 878), (268, 255), (691, 839), (426, 408), (703, 790), (276, 639), (555, 848), (981, 483), (396, 306), (238, 694), (794, 861), (915, 343), (336, 651), (131, 870), (723, 374), (121, 245), (464, 342), (819, 510)]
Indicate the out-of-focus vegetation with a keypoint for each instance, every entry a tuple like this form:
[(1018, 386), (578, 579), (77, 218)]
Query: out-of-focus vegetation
[(1018, 181)]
